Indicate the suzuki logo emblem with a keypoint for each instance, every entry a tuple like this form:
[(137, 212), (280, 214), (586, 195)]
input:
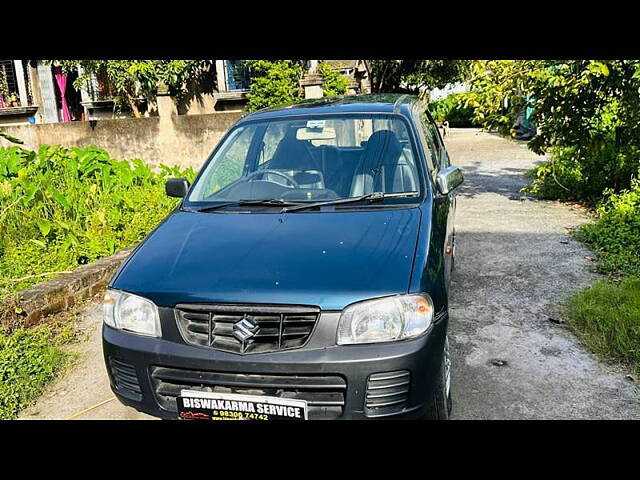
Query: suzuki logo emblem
[(244, 329)]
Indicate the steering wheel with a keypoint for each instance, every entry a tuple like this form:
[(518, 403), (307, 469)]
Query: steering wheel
[(275, 172)]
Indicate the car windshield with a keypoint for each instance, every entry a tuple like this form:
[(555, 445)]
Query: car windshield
[(311, 159)]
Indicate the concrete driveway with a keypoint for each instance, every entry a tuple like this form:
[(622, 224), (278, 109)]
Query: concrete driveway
[(515, 262)]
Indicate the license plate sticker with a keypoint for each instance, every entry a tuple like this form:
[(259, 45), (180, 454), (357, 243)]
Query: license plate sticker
[(194, 405)]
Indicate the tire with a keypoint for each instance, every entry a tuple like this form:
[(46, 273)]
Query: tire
[(441, 404)]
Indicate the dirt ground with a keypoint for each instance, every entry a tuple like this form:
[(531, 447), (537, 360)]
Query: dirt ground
[(515, 263)]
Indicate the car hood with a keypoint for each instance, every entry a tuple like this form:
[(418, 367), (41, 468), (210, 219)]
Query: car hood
[(325, 259)]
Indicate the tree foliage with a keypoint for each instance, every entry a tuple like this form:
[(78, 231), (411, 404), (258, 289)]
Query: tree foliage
[(135, 79), (587, 114), (333, 83), (414, 76), (273, 83)]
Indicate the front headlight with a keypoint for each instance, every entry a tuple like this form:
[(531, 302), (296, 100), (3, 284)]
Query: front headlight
[(126, 311), (386, 319)]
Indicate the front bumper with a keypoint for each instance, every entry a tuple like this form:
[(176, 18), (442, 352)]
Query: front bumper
[(142, 357)]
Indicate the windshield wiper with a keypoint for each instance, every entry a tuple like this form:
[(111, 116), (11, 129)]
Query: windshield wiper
[(241, 203), (371, 197)]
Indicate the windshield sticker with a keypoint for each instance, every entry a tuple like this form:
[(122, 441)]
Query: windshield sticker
[(315, 124)]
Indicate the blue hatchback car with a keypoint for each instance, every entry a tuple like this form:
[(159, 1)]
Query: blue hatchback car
[(304, 275)]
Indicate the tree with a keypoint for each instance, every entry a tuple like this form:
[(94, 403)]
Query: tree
[(132, 79), (273, 83), (498, 91), (333, 83), (414, 76), (587, 113)]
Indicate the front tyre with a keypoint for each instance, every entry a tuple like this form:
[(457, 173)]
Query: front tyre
[(441, 404)]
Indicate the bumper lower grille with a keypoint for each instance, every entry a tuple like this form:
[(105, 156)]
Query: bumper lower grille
[(246, 328), (125, 379), (387, 392), (325, 395)]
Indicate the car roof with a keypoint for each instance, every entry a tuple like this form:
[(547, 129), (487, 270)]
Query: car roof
[(369, 103)]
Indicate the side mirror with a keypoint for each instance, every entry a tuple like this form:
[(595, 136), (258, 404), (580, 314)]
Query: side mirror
[(176, 187), (449, 179)]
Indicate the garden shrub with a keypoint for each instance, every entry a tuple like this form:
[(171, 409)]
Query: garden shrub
[(333, 83), (277, 83), (615, 235), (61, 207), (273, 83), (568, 175), (453, 110)]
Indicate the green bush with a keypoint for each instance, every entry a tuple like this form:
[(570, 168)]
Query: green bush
[(61, 207), (615, 235), (452, 110), (273, 83), (606, 317), (333, 83), (566, 177), (29, 359)]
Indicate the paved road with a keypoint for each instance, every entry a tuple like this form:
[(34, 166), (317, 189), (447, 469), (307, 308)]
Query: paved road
[(514, 264)]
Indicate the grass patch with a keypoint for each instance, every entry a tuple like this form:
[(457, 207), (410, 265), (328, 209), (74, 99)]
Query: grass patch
[(29, 359), (606, 317)]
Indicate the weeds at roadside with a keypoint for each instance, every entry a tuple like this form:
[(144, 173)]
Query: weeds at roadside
[(606, 318), (31, 358)]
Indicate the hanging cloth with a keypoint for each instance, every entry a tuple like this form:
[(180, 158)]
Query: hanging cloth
[(61, 81)]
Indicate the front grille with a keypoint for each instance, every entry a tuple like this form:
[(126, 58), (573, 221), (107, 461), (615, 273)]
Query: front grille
[(325, 395), (387, 392), (246, 328), (125, 379)]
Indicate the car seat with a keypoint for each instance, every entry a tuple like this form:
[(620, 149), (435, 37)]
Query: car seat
[(383, 167)]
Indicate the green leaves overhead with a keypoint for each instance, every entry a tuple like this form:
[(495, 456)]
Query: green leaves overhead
[(413, 76)]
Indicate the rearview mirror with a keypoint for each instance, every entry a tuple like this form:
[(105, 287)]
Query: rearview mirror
[(176, 187), (449, 179)]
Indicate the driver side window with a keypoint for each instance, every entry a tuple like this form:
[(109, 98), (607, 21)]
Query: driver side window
[(230, 163)]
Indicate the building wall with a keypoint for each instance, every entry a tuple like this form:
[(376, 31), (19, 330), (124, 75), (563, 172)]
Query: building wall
[(185, 140)]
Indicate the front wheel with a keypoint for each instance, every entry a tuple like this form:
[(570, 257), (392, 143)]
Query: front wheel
[(441, 404)]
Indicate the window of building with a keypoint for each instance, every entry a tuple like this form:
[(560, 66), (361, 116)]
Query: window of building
[(9, 96), (236, 75)]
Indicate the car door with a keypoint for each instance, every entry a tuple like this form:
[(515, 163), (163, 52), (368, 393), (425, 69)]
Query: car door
[(445, 205)]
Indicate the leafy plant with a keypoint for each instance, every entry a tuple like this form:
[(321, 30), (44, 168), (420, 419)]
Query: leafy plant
[(414, 76), (452, 110), (61, 207), (333, 83), (10, 138), (615, 235), (273, 83), (29, 359), (587, 113), (132, 79)]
